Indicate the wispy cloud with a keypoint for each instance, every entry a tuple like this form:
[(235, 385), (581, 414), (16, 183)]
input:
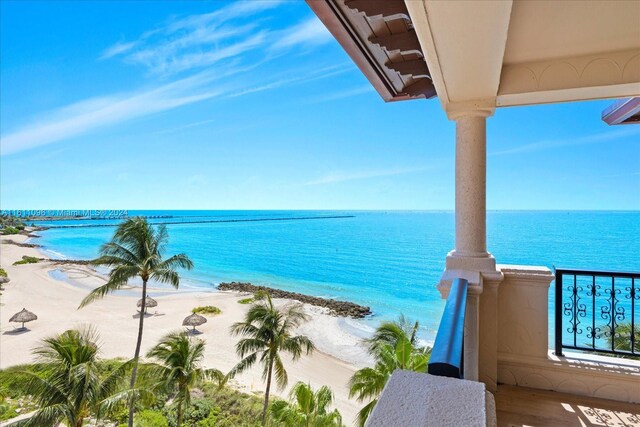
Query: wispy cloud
[(309, 32), (335, 177), (117, 49), (186, 45), (101, 112), (301, 76), (187, 126), (94, 113), (197, 41), (566, 142), (342, 94)]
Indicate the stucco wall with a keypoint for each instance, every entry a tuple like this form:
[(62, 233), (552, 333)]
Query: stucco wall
[(524, 358), (414, 399)]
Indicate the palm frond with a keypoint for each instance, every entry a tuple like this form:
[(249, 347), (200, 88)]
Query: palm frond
[(280, 373), (176, 261), (47, 416), (118, 277), (364, 413), (243, 365)]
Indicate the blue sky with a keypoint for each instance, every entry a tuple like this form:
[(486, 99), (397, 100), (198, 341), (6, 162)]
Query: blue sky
[(212, 105)]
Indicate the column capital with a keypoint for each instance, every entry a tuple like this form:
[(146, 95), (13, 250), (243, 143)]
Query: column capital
[(477, 108)]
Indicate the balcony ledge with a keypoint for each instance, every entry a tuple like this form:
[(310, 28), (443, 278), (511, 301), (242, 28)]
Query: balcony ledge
[(414, 399)]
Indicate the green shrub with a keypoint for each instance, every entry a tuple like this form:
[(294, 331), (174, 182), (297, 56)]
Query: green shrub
[(237, 409), (14, 379), (220, 407), (3, 273), (7, 411), (27, 260), (207, 310), (211, 420), (199, 410), (20, 227), (150, 418), (256, 297), (10, 230)]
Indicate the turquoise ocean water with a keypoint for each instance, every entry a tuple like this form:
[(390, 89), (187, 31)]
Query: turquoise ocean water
[(390, 261)]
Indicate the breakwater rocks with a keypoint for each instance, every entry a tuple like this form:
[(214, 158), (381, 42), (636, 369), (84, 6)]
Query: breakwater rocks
[(22, 245), (69, 261), (337, 308)]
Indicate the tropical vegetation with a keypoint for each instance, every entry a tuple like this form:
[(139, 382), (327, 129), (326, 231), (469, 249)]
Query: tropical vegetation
[(393, 346), (306, 408), (27, 260), (10, 230), (11, 225), (178, 369), (267, 332), (137, 250), (81, 379), (621, 341), (68, 386), (207, 310), (256, 297)]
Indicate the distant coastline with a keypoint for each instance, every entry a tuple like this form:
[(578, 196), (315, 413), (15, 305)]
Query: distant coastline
[(389, 261)]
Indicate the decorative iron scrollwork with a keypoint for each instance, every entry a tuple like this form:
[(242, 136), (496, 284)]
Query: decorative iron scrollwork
[(599, 307)]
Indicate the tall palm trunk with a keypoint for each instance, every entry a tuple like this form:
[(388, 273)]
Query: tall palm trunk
[(182, 399), (136, 355), (180, 412), (266, 394)]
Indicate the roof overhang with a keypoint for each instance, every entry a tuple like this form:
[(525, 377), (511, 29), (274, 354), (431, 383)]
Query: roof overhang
[(379, 37), (488, 54), (623, 112)]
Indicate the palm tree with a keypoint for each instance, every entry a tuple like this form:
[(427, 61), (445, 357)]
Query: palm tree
[(136, 249), (390, 332), (393, 346), (306, 408), (179, 368), (621, 340), (267, 331), (70, 388)]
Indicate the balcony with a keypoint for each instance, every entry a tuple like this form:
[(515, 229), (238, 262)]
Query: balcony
[(523, 382)]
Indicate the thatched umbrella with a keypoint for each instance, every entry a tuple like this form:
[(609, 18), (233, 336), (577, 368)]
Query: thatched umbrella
[(194, 320), (4, 279), (23, 317), (149, 303)]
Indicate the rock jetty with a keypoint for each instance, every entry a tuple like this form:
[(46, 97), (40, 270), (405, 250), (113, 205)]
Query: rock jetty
[(22, 245), (337, 308)]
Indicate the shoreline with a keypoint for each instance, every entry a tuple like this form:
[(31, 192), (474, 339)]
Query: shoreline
[(318, 313), (336, 308), (339, 353)]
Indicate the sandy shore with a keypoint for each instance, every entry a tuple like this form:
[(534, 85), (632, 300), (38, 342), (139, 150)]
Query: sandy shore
[(115, 318)]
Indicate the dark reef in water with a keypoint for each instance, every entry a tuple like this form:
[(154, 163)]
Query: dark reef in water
[(337, 308)]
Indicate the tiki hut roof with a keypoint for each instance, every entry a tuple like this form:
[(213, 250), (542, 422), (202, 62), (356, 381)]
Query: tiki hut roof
[(23, 316), (150, 302), (194, 320)]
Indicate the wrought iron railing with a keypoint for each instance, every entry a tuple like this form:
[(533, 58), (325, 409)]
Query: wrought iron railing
[(447, 354), (597, 311)]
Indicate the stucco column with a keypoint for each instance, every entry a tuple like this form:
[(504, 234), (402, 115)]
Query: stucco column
[(470, 252), (471, 184), (470, 259)]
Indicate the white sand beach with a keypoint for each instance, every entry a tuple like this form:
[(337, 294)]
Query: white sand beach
[(116, 319)]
